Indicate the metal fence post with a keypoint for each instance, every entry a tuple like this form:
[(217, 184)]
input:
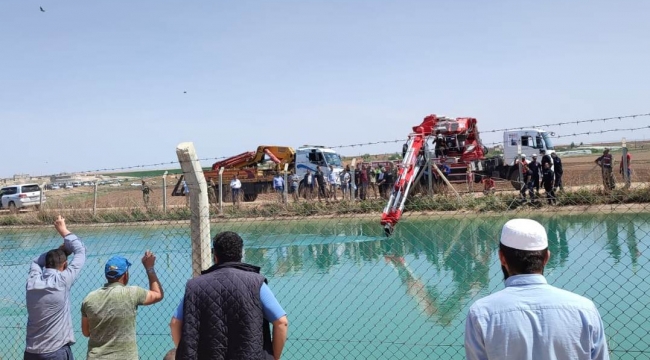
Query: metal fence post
[(164, 180), (95, 200), (286, 187), (199, 207), (221, 191), (40, 200), (626, 175), (521, 167), (429, 175), (352, 190)]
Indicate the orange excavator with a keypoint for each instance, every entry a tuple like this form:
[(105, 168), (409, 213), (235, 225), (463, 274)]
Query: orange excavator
[(455, 140), (255, 170)]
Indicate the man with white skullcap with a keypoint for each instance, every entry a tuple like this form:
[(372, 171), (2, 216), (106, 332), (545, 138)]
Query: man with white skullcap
[(531, 319)]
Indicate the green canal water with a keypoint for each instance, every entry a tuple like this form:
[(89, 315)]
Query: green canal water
[(351, 293)]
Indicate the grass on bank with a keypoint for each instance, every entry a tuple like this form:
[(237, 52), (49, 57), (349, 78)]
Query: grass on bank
[(436, 203)]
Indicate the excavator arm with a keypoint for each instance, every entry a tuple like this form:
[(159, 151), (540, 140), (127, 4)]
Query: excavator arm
[(457, 138), (416, 151)]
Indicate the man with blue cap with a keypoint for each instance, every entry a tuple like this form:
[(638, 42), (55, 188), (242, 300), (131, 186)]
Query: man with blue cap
[(108, 314), (531, 319)]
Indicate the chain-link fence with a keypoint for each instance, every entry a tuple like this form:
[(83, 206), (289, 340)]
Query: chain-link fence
[(349, 291)]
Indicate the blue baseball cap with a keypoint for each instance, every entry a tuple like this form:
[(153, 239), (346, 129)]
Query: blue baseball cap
[(116, 267)]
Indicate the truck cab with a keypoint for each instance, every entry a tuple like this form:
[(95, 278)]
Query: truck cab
[(532, 141), (310, 156)]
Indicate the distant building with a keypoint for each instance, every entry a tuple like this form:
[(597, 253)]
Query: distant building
[(21, 177)]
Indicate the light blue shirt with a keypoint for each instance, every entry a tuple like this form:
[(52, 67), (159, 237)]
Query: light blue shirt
[(270, 306), (531, 319), (278, 182), (49, 324)]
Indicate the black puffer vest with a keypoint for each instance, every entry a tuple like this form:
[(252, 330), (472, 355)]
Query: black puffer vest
[(223, 317)]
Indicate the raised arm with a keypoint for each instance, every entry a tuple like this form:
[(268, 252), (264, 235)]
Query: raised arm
[(155, 293), (71, 245)]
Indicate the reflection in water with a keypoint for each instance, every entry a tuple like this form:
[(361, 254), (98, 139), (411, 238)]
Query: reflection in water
[(557, 243), (613, 246), (632, 245), (459, 249)]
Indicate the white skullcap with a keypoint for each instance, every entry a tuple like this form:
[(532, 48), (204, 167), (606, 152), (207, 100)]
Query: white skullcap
[(524, 234)]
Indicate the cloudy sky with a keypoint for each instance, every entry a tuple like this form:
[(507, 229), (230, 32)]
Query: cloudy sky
[(102, 84)]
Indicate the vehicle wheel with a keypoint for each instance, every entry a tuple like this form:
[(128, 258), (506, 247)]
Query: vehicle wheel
[(12, 207), (250, 197), (514, 180)]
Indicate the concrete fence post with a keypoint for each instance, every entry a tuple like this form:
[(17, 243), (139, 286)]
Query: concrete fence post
[(199, 207)]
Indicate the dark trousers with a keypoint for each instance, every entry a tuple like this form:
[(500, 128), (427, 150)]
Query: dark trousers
[(527, 186), (558, 181), (550, 193), (64, 353), (535, 180)]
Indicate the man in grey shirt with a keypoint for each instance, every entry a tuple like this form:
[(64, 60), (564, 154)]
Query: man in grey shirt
[(49, 324)]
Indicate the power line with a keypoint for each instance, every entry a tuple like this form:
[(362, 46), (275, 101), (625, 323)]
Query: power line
[(605, 119), (575, 122)]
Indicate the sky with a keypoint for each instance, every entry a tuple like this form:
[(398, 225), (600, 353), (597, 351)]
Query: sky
[(91, 85)]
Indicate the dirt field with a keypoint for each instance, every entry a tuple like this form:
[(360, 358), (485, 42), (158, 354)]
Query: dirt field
[(579, 172)]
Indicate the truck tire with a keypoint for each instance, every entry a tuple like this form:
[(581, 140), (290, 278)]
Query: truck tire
[(250, 197), (12, 207)]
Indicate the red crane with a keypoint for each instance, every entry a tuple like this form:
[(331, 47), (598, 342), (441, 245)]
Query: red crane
[(456, 139)]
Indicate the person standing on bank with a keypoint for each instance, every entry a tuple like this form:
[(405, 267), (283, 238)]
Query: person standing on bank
[(226, 311), (536, 170), (531, 319), (278, 185), (547, 183), (235, 187), (146, 190), (320, 181), (546, 159), (606, 163), (108, 313), (308, 184), (49, 324), (295, 186), (558, 171)]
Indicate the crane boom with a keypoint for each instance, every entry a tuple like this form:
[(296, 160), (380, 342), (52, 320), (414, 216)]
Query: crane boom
[(453, 138)]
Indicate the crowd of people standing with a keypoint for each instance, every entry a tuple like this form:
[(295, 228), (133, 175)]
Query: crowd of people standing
[(346, 185)]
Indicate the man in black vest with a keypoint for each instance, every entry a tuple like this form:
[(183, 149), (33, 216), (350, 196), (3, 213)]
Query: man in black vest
[(226, 311)]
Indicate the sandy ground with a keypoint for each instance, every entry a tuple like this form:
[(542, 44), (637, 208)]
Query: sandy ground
[(579, 172)]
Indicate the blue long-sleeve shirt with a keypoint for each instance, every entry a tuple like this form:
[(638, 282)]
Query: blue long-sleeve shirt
[(531, 319), (49, 324)]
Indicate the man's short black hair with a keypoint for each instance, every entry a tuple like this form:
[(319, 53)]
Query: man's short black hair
[(228, 246), (54, 259), (524, 262)]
